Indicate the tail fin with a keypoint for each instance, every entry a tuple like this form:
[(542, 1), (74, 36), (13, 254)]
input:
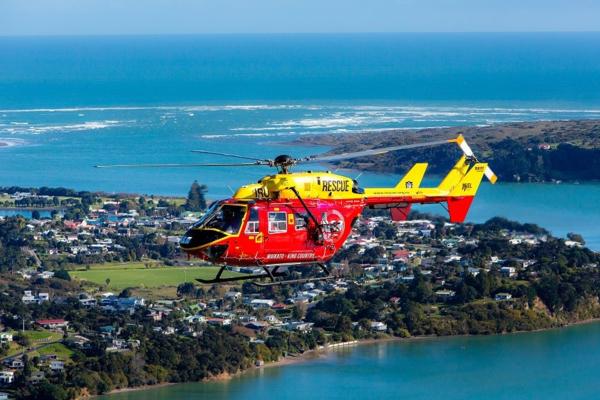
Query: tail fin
[(413, 177), (456, 174), (461, 195)]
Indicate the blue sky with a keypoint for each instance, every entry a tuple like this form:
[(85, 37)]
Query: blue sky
[(93, 17)]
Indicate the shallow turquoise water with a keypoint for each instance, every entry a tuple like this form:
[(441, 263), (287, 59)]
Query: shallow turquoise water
[(557, 364)]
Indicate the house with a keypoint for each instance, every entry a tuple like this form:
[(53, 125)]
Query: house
[(52, 323), (445, 294), (6, 337), (233, 295), (262, 303), (378, 326), (14, 363), (502, 296), (299, 326), (41, 297), (218, 321), (57, 365), (28, 297), (508, 272), (257, 325), (36, 377), (273, 320), (7, 377)]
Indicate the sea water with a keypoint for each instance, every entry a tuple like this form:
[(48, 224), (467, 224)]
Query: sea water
[(69, 103)]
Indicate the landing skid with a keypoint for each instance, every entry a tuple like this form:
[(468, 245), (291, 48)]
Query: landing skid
[(270, 274)]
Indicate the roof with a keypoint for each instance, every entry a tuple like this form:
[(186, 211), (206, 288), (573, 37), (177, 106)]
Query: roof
[(50, 321)]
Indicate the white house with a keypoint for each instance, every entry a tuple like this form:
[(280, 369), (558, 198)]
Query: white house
[(503, 296), (28, 297), (378, 326), (57, 365), (6, 337), (509, 272), (262, 303), (7, 377), (445, 294)]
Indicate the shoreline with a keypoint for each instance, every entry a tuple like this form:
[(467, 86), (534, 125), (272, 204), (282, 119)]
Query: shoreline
[(321, 352)]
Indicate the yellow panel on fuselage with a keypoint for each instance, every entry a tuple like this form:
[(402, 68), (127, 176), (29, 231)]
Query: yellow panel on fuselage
[(310, 185)]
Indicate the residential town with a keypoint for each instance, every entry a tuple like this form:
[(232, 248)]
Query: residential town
[(393, 279)]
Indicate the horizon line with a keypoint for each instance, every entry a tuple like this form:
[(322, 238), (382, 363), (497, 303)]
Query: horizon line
[(63, 35)]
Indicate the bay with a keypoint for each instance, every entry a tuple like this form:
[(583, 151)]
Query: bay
[(554, 364)]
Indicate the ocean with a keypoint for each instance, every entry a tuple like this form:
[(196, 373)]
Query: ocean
[(555, 364), (67, 104)]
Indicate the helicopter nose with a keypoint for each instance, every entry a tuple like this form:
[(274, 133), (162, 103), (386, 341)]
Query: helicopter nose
[(195, 238)]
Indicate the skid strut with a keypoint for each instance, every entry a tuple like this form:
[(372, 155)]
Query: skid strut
[(270, 274)]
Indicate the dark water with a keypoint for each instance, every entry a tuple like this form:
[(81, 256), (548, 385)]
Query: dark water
[(557, 364)]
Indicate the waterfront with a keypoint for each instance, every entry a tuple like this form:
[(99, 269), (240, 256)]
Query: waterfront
[(553, 364)]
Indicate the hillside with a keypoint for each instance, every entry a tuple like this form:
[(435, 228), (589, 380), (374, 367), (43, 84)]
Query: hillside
[(525, 151)]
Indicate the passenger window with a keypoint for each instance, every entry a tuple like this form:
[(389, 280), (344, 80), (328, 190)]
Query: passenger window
[(253, 225), (277, 222), (301, 221)]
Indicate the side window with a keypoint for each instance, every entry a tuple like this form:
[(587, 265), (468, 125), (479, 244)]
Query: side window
[(301, 221), (277, 222), (253, 225)]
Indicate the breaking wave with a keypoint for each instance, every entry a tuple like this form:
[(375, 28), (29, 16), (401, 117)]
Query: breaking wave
[(30, 129)]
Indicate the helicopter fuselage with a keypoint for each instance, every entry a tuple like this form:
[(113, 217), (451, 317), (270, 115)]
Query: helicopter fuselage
[(272, 232)]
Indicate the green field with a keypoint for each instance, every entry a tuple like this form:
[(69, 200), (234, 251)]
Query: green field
[(134, 275), (36, 336), (62, 351)]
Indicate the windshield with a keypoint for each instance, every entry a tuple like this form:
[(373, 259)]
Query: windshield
[(225, 218)]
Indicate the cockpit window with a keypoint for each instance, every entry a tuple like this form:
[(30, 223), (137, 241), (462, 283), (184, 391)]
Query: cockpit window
[(226, 218)]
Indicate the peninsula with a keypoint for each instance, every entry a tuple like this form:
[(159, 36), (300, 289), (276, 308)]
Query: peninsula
[(542, 151)]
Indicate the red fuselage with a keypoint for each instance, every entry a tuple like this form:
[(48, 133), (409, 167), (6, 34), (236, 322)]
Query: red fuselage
[(271, 232)]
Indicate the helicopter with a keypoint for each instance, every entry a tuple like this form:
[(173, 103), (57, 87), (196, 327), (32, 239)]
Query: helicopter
[(303, 218)]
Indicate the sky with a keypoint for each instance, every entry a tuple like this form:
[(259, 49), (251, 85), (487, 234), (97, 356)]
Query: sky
[(113, 17)]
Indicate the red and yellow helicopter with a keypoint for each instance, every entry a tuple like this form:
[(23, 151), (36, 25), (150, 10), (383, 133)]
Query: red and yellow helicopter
[(303, 218)]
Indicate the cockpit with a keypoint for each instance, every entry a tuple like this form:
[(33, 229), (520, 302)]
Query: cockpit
[(220, 220), (226, 218)]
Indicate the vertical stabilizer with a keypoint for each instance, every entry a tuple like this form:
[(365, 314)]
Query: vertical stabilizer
[(413, 177), (455, 175), (461, 195)]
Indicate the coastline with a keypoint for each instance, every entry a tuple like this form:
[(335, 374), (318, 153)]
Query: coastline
[(321, 352)]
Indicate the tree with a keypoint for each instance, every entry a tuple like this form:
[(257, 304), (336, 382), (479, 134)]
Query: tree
[(35, 214), (575, 237), (195, 200), (62, 274), (186, 288)]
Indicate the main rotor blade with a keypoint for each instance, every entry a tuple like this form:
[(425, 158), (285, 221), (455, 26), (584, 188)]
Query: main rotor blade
[(177, 165), (226, 155), (371, 152)]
